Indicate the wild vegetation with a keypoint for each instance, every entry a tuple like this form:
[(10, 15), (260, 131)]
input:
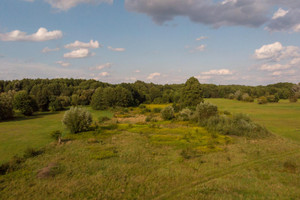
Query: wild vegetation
[(123, 147)]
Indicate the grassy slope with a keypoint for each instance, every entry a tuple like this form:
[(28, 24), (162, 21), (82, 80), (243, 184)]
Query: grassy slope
[(281, 118), (21, 133)]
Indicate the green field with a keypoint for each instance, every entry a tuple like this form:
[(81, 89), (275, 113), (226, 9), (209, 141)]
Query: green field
[(22, 133), (281, 118), (154, 160)]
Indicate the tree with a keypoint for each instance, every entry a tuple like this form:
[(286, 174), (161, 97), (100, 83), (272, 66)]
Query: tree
[(123, 97), (191, 94), (25, 103), (6, 107), (77, 119), (99, 101)]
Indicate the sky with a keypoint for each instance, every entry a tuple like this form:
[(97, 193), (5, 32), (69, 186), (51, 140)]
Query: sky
[(249, 42)]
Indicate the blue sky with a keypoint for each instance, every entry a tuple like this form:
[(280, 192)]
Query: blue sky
[(248, 42)]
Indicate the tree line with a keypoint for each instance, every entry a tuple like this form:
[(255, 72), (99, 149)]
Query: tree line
[(31, 95)]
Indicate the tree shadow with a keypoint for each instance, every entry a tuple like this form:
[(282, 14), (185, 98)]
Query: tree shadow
[(34, 116)]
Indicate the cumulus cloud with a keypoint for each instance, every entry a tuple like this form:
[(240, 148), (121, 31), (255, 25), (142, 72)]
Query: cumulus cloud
[(229, 12), (280, 13), (116, 49), (41, 35), (47, 50), (276, 52), (80, 53), (195, 49), (250, 13), (63, 64), (78, 45), (65, 5), (218, 72), (153, 75)]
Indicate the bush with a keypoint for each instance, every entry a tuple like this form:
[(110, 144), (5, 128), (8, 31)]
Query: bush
[(56, 135), (247, 98), (185, 114), (293, 99), (272, 98), (205, 110), (156, 110), (167, 113), (55, 104), (102, 119), (262, 100), (77, 119)]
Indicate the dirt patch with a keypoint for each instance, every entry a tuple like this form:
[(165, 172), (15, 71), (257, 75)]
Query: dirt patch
[(47, 171), (132, 120)]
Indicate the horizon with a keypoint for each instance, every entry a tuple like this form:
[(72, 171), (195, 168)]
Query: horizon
[(229, 42)]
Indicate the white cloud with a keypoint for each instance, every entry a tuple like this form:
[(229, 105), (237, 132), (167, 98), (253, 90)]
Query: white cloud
[(64, 64), (274, 67), (116, 49), (104, 74), (218, 72), (153, 75), (195, 49), (47, 50), (80, 53), (137, 71), (280, 13), (201, 38), (270, 51), (41, 35), (280, 73), (67, 4), (78, 45), (106, 65)]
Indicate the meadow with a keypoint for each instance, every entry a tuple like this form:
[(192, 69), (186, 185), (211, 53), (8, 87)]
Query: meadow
[(281, 118), (125, 158)]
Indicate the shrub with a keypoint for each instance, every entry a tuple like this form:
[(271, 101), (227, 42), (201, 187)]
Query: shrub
[(293, 99), (56, 135), (272, 98), (102, 119), (205, 110), (247, 98), (262, 100), (185, 114), (167, 113), (55, 104), (77, 119), (156, 110)]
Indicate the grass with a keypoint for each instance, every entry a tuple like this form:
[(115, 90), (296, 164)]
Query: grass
[(155, 160), (280, 118), (24, 132)]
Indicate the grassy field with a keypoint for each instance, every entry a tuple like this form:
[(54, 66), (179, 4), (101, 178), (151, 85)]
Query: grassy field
[(25, 132), (281, 118), (154, 160)]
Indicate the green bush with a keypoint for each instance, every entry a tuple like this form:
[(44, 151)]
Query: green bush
[(262, 100), (185, 114), (102, 119), (156, 110), (204, 111), (167, 113), (77, 119), (56, 135)]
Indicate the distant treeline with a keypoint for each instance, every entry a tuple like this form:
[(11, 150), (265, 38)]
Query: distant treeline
[(30, 95), (142, 92)]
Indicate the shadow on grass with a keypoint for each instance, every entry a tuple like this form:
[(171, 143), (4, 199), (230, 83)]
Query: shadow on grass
[(20, 117)]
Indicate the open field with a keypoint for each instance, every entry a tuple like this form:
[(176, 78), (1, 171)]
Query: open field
[(154, 160), (24, 132), (281, 118)]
